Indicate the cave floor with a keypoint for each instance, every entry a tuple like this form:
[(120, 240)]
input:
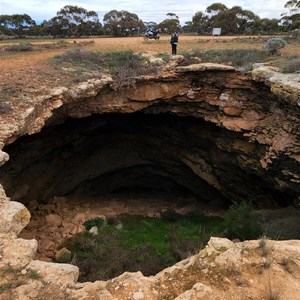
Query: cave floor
[(62, 217)]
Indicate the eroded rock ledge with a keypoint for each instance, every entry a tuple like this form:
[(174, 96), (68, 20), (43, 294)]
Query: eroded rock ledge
[(264, 113), (263, 110)]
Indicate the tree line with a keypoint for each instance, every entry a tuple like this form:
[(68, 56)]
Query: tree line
[(74, 21)]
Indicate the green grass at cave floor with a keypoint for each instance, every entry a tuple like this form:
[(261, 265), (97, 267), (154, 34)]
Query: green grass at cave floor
[(142, 244)]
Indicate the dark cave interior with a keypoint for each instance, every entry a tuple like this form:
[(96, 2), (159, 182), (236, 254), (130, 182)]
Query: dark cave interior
[(138, 152)]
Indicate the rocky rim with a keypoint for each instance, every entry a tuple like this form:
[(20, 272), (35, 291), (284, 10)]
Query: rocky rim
[(223, 270)]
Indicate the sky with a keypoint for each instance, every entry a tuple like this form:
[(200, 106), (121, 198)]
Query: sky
[(151, 10)]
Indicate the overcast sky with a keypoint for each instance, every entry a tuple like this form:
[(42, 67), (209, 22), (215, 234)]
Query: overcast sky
[(150, 10)]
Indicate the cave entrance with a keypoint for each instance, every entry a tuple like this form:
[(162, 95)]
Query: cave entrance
[(107, 166), (133, 155), (165, 168)]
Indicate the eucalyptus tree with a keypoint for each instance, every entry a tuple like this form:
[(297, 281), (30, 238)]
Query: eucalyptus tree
[(215, 8), (266, 25), (170, 24), (233, 20), (120, 23), (74, 21), (200, 22), (17, 23), (291, 19)]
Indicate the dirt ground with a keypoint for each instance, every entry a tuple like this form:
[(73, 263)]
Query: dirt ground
[(30, 73)]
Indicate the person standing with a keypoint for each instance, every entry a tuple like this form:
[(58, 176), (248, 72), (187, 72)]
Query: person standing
[(174, 42)]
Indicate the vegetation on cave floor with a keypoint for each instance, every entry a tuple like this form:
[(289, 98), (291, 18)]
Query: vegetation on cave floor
[(142, 244), (137, 243)]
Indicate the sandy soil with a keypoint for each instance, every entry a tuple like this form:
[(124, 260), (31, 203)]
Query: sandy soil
[(27, 72)]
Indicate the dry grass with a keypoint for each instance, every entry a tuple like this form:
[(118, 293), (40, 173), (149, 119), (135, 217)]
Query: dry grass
[(287, 263), (265, 246), (28, 71)]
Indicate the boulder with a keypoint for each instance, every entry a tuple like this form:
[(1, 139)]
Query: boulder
[(63, 255), (14, 216)]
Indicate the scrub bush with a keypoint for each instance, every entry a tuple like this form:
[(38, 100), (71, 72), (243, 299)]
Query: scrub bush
[(273, 45), (88, 224), (22, 46), (235, 57), (241, 223)]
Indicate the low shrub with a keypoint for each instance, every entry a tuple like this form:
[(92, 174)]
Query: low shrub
[(11, 278), (22, 46), (123, 65), (80, 57), (235, 57), (88, 224), (292, 65), (273, 45), (191, 57), (165, 56), (142, 244), (241, 223), (62, 43)]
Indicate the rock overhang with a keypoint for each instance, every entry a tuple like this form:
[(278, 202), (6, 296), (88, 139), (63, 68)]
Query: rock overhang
[(276, 129), (217, 94)]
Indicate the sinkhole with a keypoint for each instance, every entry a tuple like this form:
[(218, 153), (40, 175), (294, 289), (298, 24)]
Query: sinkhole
[(158, 167)]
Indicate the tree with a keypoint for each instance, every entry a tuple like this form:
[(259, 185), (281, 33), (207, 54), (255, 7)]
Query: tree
[(74, 21), (266, 25), (172, 15), (120, 23), (150, 25), (216, 8), (293, 5), (170, 24), (200, 22), (19, 24), (291, 20), (235, 20), (188, 26)]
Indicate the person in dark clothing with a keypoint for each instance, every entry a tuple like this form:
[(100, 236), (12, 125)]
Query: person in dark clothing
[(174, 42)]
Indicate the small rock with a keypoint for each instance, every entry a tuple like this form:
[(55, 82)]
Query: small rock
[(24, 271), (226, 280), (94, 230), (138, 296), (64, 255), (119, 226)]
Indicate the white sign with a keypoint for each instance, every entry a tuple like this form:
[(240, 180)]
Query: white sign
[(216, 31)]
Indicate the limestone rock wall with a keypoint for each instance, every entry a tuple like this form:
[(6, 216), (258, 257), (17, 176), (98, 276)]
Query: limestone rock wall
[(264, 111), (265, 117)]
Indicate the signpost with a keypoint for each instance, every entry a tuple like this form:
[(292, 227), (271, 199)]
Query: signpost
[(216, 31)]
